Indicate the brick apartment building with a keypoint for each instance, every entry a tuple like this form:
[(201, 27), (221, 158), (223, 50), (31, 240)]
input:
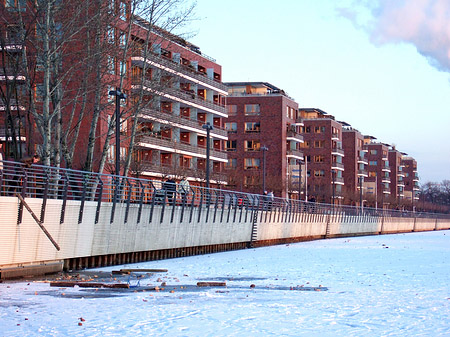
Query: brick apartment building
[(397, 175), (355, 164), (377, 184), (263, 127), (411, 180), (173, 91), (173, 139), (324, 155)]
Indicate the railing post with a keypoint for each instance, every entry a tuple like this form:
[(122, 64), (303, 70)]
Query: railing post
[(200, 205), (65, 191), (152, 203), (127, 209), (99, 199), (44, 197), (141, 200), (192, 205), (23, 193), (83, 199)]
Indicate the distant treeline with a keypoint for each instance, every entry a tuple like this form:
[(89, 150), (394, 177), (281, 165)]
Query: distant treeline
[(435, 197)]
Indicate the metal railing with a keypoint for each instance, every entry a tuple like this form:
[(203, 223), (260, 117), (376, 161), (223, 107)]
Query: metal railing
[(46, 182)]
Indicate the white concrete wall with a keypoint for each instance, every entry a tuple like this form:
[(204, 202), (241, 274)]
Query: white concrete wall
[(25, 243)]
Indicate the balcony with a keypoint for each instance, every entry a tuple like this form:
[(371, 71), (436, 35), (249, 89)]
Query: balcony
[(337, 151), (13, 105), (182, 97), (401, 183), (294, 136), (386, 169), (363, 173), (12, 45), (337, 166), (181, 122), (385, 180), (335, 136), (11, 74), (168, 145), (362, 160), (294, 154), (299, 121), (184, 71), (338, 180)]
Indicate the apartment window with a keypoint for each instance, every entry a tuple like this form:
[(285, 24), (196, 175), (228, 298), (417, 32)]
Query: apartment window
[(111, 35), (232, 110), (252, 145), (252, 163), (123, 10), (308, 129), (231, 127), (40, 92), (251, 127), (110, 65), (319, 129), (231, 163), (373, 163), (122, 40), (319, 173), (374, 152), (230, 145), (319, 143), (372, 174), (318, 159), (252, 109), (123, 68), (112, 153), (250, 181)]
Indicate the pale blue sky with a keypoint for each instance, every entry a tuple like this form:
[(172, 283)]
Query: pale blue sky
[(324, 60)]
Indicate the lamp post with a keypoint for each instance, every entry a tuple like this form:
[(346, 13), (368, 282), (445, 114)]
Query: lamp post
[(208, 127), (119, 95), (264, 149)]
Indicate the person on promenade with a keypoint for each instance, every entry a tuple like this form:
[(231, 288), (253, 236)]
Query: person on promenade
[(170, 187), (183, 189)]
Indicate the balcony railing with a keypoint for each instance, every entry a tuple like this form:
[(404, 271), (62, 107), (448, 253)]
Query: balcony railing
[(338, 180), (294, 153), (362, 160), (184, 69), (12, 73), (295, 135), (337, 166), (192, 98), (179, 146), (363, 173), (171, 118), (337, 150)]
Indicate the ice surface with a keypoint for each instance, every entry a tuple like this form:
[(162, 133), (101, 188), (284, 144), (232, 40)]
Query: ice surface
[(390, 285)]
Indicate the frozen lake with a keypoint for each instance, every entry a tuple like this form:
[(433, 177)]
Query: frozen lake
[(390, 285)]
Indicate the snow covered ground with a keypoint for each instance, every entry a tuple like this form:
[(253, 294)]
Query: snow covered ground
[(391, 285)]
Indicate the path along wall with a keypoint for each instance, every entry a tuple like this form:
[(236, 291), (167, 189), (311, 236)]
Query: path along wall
[(25, 249)]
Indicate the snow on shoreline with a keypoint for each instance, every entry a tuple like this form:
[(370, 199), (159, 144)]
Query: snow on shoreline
[(390, 285)]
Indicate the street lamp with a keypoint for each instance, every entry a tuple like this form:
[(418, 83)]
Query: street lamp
[(264, 149), (119, 95), (208, 127)]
